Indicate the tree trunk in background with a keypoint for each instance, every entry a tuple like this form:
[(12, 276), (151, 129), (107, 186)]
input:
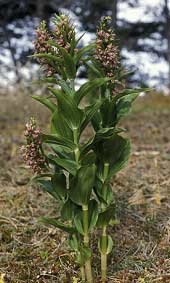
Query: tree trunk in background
[(40, 8), (12, 52), (114, 14), (167, 34)]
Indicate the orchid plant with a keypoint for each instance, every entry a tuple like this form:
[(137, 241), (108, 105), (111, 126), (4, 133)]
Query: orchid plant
[(78, 174)]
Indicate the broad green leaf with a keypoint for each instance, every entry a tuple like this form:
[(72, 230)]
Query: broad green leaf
[(108, 112), (82, 184), (93, 213), (89, 87), (106, 216), (88, 159), (103, 192), (54, 222), (61, 151), (136, 91), (101, 135), (123, 106), (97, 121), (78, 222), (68, 210), (116, 152), (72, 114), (59, 125), (57, 139), (90, 111), (46, 101), (67, 164), (47, 186), (59, 184)]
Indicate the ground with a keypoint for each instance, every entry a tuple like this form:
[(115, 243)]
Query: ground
[(31, 252)]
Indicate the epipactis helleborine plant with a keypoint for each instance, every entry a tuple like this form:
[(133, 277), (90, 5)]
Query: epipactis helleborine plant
[(78, 174)]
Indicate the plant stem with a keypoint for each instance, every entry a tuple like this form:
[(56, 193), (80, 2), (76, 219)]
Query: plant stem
[(104, 255), (83, 276), (72, 84), (104, 230), (88, 268)]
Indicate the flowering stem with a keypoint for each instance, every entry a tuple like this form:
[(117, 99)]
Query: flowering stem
[(104, 255), (88, 268), (83, 276), (104, 230)]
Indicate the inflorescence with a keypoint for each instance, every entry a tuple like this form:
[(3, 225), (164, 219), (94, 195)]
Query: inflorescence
[(106, 49), (32, 151)]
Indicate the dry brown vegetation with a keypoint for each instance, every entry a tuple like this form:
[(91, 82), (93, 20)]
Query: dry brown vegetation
[(31, 252)]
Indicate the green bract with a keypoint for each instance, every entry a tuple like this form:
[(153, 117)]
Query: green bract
[(78, 174)]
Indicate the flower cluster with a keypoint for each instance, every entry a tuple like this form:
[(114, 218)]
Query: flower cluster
[(41, 46), (64, 32), (32, 152), (106, 50)]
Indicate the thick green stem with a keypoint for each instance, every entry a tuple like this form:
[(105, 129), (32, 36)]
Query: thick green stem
[(88, 268)]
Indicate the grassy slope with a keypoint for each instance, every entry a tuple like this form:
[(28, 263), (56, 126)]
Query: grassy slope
[(30, 252)]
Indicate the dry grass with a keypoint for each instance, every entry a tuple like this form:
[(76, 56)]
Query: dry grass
[(31, 252)]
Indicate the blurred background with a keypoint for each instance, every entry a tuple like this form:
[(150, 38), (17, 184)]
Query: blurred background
[(142, 26)]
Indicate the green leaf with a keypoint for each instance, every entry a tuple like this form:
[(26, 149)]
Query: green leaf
[(57, 139), (116, 152), (68, 61), (108, 112), (59, 125), (109, 245), (83, 51), (54, 222), (59, 185), (136, 91), (82, 184), (68, 210), (88, 158), (105, 193), (72, 114), (46, 101), (73, 242), (84, 255), (67, 164), (64, 86), (93, 69), (47, 186), (106, 216), (78, 222), (90, 111), (101, 135), (93, 213), (89, 87), (49, 57), (123, 106)]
